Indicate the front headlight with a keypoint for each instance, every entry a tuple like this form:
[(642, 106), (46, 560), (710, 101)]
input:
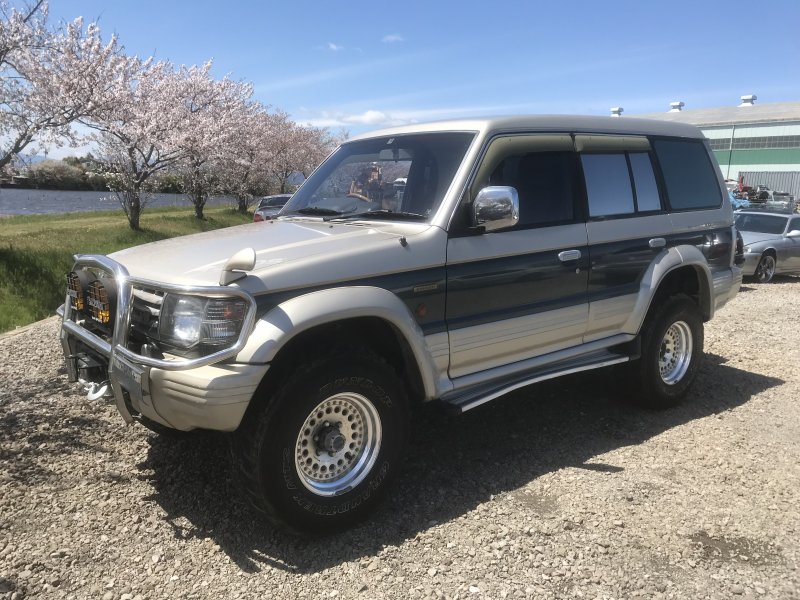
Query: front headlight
[(188, 321)]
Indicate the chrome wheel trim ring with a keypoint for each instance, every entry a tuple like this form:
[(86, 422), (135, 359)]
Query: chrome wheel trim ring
[(675, 354), (329, 473)]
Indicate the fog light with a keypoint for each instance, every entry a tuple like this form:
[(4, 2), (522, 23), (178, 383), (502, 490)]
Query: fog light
[(101, 300), (77, 284)]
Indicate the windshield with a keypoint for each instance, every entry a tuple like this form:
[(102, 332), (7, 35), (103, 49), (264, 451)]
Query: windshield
[(406, 176), (278, 201), (761, 223)]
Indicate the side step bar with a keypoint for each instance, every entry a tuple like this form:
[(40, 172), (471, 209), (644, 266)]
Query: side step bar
[(464, 400)]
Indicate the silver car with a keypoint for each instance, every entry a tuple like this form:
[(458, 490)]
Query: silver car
[(270, 206), (771, 243)]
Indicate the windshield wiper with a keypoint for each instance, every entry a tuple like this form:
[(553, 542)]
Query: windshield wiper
[(317, 210), (385, 214)]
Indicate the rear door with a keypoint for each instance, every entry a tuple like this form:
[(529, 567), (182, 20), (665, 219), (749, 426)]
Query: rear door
[(518, 293), (626, 225)]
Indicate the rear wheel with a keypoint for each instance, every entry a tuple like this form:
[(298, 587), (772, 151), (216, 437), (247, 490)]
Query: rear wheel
[(327, 444), (672, 347), (765, 270)]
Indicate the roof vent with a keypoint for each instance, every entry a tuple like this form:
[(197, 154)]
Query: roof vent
[(616, 111), (676, 106), (749, 100)]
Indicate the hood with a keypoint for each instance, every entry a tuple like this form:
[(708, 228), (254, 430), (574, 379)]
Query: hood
[(198, 259), (754, 237)]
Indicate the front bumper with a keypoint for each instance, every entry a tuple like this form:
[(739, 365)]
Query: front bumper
[(750, 263), (207, 397), (181, 394)]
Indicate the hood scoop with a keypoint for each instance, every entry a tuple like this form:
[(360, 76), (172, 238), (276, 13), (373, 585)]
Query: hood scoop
[(237, 265)]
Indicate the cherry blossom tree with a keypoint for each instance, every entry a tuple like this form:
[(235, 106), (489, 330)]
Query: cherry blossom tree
[(51, 77), (210, 130), (244, 168), (295, 149), (139, 134)]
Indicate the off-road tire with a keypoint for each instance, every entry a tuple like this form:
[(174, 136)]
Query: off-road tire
[(676, 317), (265, 447)]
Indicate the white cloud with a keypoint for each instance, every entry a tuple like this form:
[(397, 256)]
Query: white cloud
[(334, 47), (392, 38)]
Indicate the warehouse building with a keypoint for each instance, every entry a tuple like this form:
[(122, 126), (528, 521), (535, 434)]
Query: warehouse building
[(758, 142)]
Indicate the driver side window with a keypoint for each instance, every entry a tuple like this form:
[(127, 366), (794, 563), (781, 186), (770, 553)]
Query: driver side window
[(542, 168)]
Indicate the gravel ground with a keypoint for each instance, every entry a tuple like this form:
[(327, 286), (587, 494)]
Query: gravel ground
[(556, 491)]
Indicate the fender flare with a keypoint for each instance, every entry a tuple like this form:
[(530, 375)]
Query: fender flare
[(278, 326), (668, 261)]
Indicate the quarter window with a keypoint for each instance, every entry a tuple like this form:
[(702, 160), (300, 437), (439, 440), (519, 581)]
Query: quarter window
[(689, 174)]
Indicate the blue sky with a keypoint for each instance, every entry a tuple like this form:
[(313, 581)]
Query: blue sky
[(365, 65)]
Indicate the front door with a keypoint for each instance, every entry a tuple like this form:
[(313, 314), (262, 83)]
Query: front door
[(518, 293)]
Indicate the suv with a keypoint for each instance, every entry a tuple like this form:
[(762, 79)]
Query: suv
[(517, 250)]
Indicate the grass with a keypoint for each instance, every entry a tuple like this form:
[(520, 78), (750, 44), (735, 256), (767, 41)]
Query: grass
[(36, 251)]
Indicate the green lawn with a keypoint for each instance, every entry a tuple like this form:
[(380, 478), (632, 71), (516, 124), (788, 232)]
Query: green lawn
[(36, 251)]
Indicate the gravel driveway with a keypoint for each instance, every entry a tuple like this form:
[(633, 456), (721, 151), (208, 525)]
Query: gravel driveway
[(555, 491)]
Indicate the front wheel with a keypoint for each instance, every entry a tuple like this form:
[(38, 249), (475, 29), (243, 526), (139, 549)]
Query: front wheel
[(765, 270), (325, 448), (672, 346)]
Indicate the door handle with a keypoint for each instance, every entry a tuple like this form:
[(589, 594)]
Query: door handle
[(568, 255), (658, 243)]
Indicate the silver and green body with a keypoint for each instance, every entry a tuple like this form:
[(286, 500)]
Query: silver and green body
[(476, 304)]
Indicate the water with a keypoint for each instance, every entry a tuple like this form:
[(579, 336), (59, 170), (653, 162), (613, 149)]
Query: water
[(44, 202)]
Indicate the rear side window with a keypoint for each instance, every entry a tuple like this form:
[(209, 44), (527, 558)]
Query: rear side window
[(647, 197), (689, 175), (608, 184)]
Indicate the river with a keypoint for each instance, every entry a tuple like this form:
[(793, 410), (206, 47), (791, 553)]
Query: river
[(14, 201)]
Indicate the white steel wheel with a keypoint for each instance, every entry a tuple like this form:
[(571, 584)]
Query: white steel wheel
[(675, 354), (338, 444)]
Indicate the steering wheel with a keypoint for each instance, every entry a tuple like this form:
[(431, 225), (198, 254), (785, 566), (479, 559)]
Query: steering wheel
[(359, 196)]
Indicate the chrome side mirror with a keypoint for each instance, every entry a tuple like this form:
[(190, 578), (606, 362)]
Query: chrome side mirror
[(793, 233), (496, 207)]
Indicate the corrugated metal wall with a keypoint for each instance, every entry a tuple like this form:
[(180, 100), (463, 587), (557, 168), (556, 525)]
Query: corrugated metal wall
[(787, 181)]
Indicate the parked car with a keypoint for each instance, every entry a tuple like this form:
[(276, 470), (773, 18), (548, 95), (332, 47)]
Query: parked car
[(519, 249), (269, 206), (771, 243)]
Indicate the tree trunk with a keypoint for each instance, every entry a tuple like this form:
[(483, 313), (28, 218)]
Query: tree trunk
[(199, 201), (134, 210), (242, 205)]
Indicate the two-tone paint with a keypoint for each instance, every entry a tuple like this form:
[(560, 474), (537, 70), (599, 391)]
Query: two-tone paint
[(471, 307)]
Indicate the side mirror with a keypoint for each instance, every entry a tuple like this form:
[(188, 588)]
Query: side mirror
[(496, 207), (793, 233)]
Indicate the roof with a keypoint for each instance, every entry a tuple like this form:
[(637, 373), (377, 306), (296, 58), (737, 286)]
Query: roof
[(545, 123), (733, 115)]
